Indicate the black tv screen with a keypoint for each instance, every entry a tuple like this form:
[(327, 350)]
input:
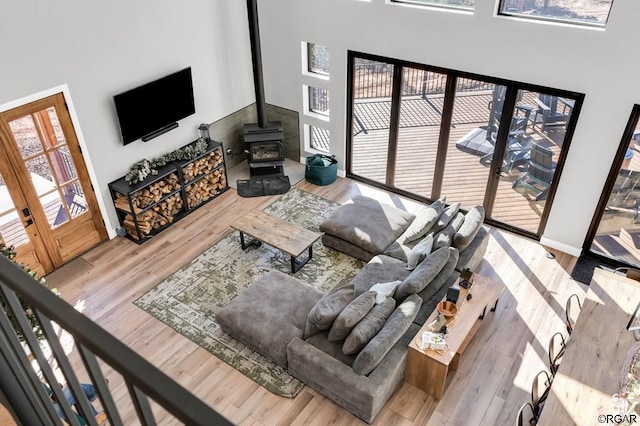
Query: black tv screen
[(155, 105)]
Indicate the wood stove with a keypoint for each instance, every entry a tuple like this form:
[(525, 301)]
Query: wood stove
[(264, 141), (265, 149)]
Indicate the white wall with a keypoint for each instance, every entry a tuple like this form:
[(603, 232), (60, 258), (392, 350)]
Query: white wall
[(599, 63), (101, 48)]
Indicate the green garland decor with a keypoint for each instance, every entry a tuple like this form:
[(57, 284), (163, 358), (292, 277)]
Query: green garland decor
[(10, 254), (140, 170)]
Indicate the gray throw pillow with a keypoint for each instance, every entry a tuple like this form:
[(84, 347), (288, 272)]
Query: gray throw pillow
[(368, 327), (426, 217), (323, 313), (393, 329), (439, 280), (472, 222), (445, 237), (398, 250), (351, 315), (447, 215), (419, 252), (423, 274)]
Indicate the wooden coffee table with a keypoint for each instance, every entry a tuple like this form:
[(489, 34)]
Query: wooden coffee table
[(287, 237), (428, 369)]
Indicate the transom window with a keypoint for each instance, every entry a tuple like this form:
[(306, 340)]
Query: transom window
[(454, 4), (584, 12)]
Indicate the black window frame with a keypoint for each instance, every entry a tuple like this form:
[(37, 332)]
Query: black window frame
[(446, 121)]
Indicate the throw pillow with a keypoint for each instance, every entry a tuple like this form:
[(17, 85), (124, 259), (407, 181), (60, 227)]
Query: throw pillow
[(439, 280), (368, 327), (423, 274), (398, 250), (384, 290), (393, 329), (426, 217), (419, 252), (447, 215), (351, 315), (326, 309), (469, 229), (445, 237)]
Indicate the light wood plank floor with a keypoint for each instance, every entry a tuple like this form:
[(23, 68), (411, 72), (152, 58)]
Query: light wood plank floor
[(494, 376)]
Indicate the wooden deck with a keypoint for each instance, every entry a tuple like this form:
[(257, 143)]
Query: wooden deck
[(465, 177)]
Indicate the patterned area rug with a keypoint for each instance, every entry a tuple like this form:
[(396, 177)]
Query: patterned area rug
[(188, 300)]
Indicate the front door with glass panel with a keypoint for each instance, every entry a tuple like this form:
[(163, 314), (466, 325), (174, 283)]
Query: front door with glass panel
[(48, 210)]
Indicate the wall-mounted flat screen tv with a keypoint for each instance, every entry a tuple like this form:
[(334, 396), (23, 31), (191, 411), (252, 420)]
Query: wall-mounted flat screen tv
[(155, 108)]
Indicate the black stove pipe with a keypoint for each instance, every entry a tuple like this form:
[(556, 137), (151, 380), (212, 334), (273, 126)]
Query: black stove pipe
[(256, 59)]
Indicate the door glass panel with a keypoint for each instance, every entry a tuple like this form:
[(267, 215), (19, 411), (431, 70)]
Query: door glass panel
[(471, 142), (26, 135), (41, 175), (55, 125), (63, 165), (373, 82), (12, 231), (422, 100), (536, 136), (74, 199), (46, 188), (619, 228)]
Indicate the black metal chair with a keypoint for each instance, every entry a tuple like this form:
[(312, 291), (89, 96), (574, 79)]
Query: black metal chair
[(526, 415), (540, 389), (571, 312), (557, 346)]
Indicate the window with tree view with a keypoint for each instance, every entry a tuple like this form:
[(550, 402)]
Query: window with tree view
[(584, 12), (457, 4), (318, 58)]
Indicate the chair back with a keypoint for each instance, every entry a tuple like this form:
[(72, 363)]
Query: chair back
[(557, 346), (540, 163), (631, 273), (540, 391), (549, 100), (571, 312), (526, 415)]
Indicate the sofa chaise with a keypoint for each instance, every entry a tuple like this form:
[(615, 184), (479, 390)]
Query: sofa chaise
[(351, 344)]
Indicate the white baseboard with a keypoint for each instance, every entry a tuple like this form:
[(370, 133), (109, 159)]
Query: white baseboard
[(565, 248)]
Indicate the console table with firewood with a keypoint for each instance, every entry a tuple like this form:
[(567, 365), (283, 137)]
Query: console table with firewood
[(146, 208)]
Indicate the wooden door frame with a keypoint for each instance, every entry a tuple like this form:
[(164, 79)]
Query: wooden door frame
[(64, 89)]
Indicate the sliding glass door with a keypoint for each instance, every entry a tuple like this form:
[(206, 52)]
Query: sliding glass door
[(615, 232), (371, 118), (429, 133)]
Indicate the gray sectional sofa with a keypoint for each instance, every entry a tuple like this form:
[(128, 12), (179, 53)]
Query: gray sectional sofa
[(350, 345)]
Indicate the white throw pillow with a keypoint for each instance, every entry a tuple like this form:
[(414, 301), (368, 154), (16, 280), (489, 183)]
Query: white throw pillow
[(384, 290), (419, 252)]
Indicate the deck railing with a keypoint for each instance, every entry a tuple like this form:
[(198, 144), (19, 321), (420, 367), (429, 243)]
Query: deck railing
[(23, 390), (375, 81)]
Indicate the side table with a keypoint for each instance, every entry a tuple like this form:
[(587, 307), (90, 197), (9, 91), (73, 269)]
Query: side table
[(428, 369)]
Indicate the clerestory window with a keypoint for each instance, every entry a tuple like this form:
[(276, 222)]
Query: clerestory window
[(584, 12)]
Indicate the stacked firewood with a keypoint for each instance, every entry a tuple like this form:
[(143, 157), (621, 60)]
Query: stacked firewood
[(159, 216), (205, 188), (202, 165), (149, 195)]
